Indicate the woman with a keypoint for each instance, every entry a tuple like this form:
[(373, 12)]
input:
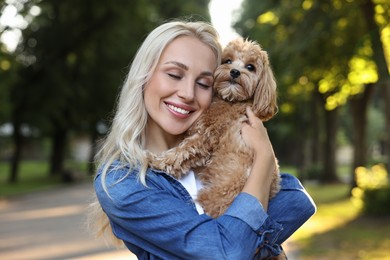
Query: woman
[(168, 87)]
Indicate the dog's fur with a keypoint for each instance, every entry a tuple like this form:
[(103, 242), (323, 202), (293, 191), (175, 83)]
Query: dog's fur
[(214, 147)]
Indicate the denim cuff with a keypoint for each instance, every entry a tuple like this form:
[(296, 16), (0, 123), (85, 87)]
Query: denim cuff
[(247, 208), (268, 235)]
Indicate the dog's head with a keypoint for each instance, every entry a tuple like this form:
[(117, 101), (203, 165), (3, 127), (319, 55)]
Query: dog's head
[(245, 75)]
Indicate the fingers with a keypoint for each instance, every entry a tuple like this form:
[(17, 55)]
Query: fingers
[(252, 118)]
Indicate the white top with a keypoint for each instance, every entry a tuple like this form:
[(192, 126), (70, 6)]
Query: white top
[(192, 185)]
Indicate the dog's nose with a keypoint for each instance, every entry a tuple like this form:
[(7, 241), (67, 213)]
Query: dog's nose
[(235, 73)]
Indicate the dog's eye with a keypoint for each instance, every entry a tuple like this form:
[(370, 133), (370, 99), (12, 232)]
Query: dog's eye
[(250, 67), (228, 61)]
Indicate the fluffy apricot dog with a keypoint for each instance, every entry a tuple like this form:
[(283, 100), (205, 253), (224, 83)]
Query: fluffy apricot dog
[(214, 147)]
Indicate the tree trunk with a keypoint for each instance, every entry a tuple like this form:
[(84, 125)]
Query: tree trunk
[(312, 141), (368, 9), (359, 106), (15, 160), (331, 125), (58, 151), (387, 126), (315, 125), (94, 145)]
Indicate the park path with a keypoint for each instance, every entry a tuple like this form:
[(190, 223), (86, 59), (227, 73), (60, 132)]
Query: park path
[(50, 225)]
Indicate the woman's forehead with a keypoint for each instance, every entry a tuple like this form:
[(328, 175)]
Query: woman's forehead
[(186, 50)]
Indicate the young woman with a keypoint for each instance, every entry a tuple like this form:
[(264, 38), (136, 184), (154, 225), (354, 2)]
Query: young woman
[(168, 87)]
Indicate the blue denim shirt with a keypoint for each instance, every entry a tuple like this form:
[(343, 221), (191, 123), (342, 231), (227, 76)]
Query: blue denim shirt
[(160, 221)]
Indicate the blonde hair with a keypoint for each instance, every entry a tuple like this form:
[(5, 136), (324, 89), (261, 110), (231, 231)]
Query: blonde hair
[(126, 138)]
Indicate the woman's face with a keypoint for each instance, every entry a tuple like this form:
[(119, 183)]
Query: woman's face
[(180, 89)]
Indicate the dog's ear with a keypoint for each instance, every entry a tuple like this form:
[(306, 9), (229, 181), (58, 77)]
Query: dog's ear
[(265, 97)]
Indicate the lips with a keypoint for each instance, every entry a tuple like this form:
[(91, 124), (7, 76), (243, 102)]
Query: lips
[(179, 109)]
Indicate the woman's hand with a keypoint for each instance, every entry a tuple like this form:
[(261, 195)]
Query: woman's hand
[(264, 164), (255, 134)]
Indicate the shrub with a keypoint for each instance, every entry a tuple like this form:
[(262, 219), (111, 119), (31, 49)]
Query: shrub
[(373, 190), (376, 202)]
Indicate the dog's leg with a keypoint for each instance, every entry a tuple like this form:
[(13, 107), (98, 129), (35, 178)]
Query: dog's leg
[(192, 152)]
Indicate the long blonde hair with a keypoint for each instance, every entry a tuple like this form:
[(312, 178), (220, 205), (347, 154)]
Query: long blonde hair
[(126, 138)]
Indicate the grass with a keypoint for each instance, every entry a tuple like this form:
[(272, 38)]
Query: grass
[(33, 176), (339, 231)]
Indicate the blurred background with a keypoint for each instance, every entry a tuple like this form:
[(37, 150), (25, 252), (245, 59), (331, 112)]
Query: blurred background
[(62, 64)]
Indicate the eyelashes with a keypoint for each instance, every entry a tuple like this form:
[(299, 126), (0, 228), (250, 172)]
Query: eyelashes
[(199, 82), (174, 76)]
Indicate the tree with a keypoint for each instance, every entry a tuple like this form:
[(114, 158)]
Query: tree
[(321, 41), (377, 18), (73, 55)]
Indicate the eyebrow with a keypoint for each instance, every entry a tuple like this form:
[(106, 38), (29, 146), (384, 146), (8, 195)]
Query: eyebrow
[(179, 64), (185, 67)]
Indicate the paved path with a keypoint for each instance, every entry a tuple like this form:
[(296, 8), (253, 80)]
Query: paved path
[(50, 225)]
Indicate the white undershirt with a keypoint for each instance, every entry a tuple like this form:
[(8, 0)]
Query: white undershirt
[(192, 185)]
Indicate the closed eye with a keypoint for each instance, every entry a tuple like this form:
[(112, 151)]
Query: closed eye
[(174, 76), (205, 86)]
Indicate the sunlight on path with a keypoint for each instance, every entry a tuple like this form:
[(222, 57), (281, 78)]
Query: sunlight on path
[(328, 217)]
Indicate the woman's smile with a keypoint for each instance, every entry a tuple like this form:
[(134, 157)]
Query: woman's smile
[(179, 110)]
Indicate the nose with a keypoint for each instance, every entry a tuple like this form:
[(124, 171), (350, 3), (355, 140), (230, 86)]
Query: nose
[(186, 91), (235, 73)]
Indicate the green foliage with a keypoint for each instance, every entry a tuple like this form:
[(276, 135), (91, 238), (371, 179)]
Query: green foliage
[(303, 39), (7, 75), (73, 56), (321, 61), (377, 201), (65, 74), (372, 193)]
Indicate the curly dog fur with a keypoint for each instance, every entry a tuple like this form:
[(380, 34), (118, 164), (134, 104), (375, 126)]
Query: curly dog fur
[(214, 147)]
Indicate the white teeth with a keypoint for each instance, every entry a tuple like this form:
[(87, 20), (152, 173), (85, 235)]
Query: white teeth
[(179, 110)]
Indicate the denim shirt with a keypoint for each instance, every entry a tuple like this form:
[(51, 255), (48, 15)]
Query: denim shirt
[(160, 220)]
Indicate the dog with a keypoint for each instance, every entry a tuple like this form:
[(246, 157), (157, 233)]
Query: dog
[(213, 146)]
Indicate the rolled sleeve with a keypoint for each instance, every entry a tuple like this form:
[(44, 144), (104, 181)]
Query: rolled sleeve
[(288, 210), (247, 208), (291, 207)]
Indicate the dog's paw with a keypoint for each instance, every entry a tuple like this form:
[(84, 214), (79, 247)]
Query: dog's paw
[(166, 162)]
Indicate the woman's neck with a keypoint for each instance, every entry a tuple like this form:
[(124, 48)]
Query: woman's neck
[(158, 141)]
